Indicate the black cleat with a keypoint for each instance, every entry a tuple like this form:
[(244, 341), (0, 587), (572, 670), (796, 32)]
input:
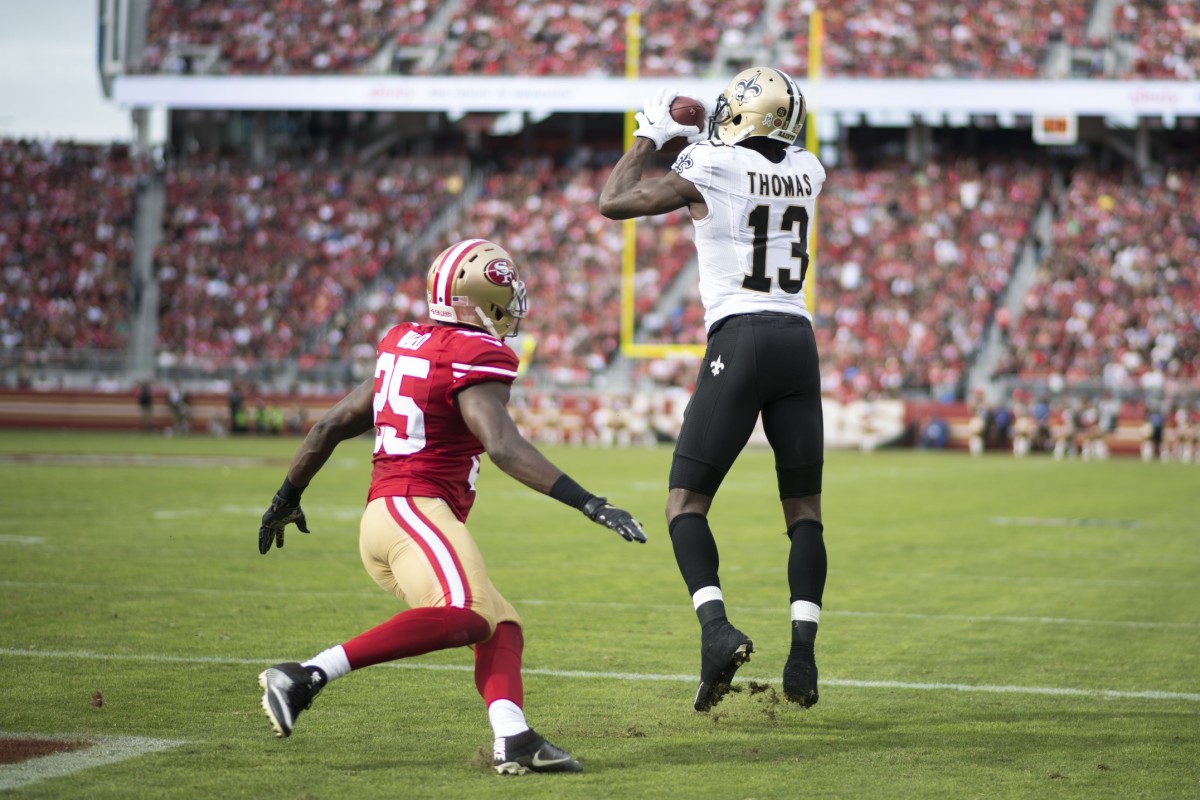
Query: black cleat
[(800, 681), (529, 752), (720, 656), (288, 689)]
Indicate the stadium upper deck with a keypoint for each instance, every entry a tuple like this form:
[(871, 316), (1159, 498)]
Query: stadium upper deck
[(996, 39)]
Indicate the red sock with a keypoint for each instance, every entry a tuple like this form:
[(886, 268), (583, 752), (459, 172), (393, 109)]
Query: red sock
[(498, 665), (413, 632)]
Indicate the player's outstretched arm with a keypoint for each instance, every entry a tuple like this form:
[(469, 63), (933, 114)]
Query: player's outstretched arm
[(352, 416), (484, 407), (625, 195)]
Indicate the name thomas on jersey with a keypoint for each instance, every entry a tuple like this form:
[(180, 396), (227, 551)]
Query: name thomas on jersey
[(779, 185)]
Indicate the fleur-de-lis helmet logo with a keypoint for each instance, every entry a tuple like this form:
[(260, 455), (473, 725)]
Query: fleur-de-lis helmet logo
[(747, 88)]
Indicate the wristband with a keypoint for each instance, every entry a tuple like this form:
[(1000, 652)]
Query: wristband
[(290, 492), (569, 492)]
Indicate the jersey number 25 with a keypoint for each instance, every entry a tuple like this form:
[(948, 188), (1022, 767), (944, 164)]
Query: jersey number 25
[(390, 395)]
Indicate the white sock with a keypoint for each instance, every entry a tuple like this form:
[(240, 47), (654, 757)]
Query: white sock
[(333, 662), (506, 718), (804, 611), (705, 594)]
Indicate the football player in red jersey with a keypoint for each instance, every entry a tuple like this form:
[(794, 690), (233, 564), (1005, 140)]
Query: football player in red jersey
[(437, 401)]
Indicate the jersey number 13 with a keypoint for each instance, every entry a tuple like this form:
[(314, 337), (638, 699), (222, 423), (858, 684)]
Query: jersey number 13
[(795, 221)]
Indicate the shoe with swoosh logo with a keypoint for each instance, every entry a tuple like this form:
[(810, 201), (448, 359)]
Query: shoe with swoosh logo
[(288, 689), (529, 752)]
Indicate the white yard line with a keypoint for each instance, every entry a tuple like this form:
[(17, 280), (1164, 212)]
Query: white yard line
[(1108, 694), (1065, 522), (102, 750), (527, 601), (782, 610)]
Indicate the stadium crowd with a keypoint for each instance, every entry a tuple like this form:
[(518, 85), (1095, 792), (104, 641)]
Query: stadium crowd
[(66, 242), (916, 260), (1117, 297), (278, 37), (571, 261), (498, 37), (1165, 36), (911, 261), (931, 38), (308, 259), (257, 262), (999, 39)]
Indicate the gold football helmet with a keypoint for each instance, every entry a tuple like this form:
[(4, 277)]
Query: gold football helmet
[(475, 283), (759, 101)]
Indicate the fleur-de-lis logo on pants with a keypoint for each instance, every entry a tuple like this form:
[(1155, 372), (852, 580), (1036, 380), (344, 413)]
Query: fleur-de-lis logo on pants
[(716, 366)]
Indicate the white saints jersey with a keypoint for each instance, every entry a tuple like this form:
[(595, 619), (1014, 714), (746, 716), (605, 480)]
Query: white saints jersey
[(753, 245)]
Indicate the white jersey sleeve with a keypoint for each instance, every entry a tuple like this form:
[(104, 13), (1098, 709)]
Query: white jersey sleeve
[(753, 245)]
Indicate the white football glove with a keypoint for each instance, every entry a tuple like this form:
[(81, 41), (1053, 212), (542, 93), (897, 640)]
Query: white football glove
[(655, 122)]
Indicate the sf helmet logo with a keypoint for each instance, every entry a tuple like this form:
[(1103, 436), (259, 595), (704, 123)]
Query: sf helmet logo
[(745, 89), (500, 272)]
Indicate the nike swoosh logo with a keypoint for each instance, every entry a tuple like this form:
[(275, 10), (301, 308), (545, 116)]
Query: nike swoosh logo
[(538, 761)]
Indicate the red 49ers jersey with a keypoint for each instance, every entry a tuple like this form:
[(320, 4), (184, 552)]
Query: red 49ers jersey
[(423, 448)]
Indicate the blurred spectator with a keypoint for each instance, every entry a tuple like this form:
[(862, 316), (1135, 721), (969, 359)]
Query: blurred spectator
[(145, 401)]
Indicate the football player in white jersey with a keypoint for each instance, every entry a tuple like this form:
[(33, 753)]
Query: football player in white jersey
[(752, 192)]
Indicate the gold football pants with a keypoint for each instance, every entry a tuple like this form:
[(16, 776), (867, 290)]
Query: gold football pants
[(420, 553)]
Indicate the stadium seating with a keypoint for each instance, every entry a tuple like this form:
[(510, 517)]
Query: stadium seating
[(499, 37), (309, 260), (66, 244), (1115, 301), (931, 38), (256, 262), (918, 39), (278, 37), (1165, 37), (911, 261)]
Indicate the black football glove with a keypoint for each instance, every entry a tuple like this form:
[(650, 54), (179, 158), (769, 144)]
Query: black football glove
[(599, 510), (276, 519)]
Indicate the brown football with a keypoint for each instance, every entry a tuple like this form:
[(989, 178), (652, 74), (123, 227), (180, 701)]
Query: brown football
[(688, 111)]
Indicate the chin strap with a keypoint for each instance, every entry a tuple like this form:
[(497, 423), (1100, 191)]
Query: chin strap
[(487, 322)]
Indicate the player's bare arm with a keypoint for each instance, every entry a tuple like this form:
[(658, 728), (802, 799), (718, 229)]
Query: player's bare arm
[(626, 195), (484, 408), (352, 416)]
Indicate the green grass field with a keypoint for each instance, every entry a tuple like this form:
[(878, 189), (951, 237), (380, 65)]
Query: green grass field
[(993, 628)]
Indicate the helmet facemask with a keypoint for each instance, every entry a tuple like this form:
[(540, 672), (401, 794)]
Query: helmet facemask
[(505, 322)]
